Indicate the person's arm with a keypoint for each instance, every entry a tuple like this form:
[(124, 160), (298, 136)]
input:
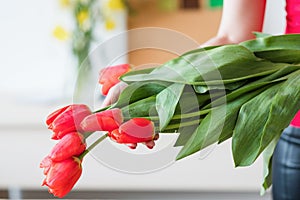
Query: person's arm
[(240, 18)]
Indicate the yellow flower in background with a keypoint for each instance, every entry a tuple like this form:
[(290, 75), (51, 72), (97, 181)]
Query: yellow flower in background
[(60, 33), (82, 16), (110, 24), (64, 3), (116, 4)]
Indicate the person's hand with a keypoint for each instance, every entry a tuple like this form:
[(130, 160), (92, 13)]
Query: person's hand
[(111, 85), (215, 41), (114, 94)]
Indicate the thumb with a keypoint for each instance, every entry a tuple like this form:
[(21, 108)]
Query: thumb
[(113, 94)]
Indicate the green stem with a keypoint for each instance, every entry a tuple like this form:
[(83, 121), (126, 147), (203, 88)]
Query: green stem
[(86, 135), (102, 109), (180, 125), (193, 114), (178, 116), (172, 126), (152, 118), (92, 146)]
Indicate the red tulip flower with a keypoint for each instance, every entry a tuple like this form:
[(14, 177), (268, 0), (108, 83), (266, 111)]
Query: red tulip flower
[(109, 77), (61, 176), (54, 115), (136, 130), (67, 119), (108, 120), (46, 164), (70, 145)]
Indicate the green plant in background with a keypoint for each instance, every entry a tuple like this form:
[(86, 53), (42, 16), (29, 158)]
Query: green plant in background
[(85, 15), (82, 34)]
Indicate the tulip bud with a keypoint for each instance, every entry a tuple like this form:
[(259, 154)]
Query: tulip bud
[(139, 128), (108, 120), (70, 145), (46, 164), (54, 115), (67, 119), (136, 130), (132, 145), (108, 77), (62, 176)]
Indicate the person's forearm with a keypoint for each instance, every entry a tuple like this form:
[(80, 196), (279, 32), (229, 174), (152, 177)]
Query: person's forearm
[(240, 18)]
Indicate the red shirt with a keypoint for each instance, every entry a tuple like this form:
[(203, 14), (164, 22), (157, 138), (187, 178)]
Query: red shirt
[(293, 26), (292, 16)]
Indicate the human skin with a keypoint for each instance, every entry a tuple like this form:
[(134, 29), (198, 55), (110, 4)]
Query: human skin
[(240, 18)]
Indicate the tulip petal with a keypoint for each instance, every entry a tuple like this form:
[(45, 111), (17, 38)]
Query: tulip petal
[(67, 120), (70, 145), (135, 130), (54, 115), (108, 120), (108, 77), (114, 113), (46, 164), (139, 128), (62, 176), (122, 138)]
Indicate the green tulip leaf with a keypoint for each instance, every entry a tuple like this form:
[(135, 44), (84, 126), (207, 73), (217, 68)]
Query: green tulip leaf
[(219, 122), (274, 109), (166, 102)]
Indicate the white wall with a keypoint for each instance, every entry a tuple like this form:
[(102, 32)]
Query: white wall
[(32, 61), (274, 22)]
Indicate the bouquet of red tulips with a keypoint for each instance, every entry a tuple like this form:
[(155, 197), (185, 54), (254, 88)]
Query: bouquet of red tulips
[(206, 95)]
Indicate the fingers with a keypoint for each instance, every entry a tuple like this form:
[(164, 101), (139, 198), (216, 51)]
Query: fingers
[(218, 40), (113, 94)]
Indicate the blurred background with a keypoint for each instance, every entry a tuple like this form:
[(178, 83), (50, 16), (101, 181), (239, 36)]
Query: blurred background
[(43, 46)]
